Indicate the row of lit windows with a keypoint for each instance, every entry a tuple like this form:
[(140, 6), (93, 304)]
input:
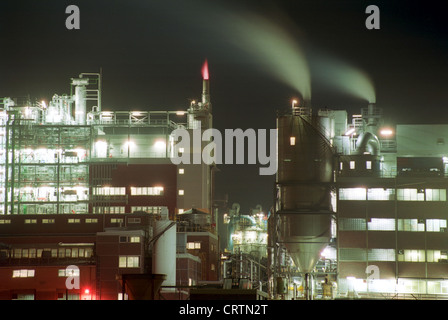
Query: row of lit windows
[(388, 224), (29, 273), (109, 191), (352, 165), (389, 194), (23, 273), (121, 191), (70, 220), (129, 261), (193, 245), (111, 209), (51, 221), (147, 209), (407, 255), (131, 239), (146, 191), (19, 253)]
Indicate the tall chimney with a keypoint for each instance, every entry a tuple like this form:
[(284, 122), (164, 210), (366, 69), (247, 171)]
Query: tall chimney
[(205, 84)]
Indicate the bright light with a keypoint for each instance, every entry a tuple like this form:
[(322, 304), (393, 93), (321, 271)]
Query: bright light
[(386, 132), (129, 144), (44, 104), (292, 141), (350, 131), (101, 148), (181, 113), (86, 291), (160, 144), (136, 113), (294, 102)]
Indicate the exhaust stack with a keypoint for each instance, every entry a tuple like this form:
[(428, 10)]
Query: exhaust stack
[(205, 84)]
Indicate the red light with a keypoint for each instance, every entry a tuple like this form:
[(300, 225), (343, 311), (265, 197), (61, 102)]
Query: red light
[(86, 291), (205, 70)]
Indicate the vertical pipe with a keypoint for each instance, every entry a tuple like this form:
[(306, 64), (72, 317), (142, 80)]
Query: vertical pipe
[(13, 160), (6, 164)]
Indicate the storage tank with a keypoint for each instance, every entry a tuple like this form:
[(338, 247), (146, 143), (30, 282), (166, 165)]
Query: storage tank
[(164, 250), (304, 181)]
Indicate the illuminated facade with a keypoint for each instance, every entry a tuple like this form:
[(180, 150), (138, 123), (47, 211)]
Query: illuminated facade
[(388, 238), (72, 172), (60, 158), (392, 206)]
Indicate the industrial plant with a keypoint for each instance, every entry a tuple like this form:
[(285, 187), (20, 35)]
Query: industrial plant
[(92, 207)]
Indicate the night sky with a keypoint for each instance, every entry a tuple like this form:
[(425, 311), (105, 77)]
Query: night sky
[(151, 53)]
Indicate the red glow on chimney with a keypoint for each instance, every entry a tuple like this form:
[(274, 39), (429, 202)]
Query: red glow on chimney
[(205, 70)]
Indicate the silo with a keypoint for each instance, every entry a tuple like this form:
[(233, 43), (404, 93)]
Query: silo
[(304, 181), (164, 250)]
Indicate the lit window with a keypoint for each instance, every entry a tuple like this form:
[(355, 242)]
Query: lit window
[(436, 255), (91, 220), (414, 225), (352, 165), (69, 272), (410, 195), (47, 220), (74, 220), (30, 221), (292, 141), (193, 245), (181, 171), (181, 192), (23, 273), (368, 165), (181, 210), (435, 194), (341, 165), (114, 220), (109, 191), (436, 225), (129, 261), (381, 254), (352, 193), (120, 296), (411, 255), (5, 221), (146, 191), (380, 194), (376, 224)]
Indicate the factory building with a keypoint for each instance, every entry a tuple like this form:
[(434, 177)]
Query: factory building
[(95, 189), (371, 219)]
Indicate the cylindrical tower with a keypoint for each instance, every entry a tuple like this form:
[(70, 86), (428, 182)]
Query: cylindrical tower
[(164, 251), (304, 183)]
